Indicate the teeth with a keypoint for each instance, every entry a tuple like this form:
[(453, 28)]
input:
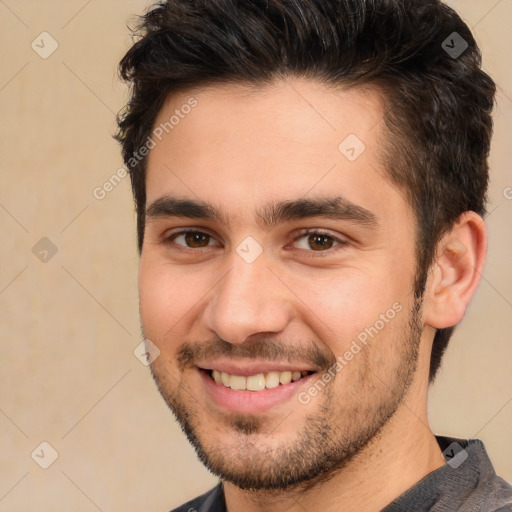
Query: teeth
[(256, 382), (272, 380), (285, 377), (225, 377), (237, 382)]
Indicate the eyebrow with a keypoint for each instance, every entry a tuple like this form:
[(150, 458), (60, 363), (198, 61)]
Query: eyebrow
[(167, 206), (270, 215), (338, 208)]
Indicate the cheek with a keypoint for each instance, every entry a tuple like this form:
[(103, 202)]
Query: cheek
[(365, 327), (343, 304), (167, 296)]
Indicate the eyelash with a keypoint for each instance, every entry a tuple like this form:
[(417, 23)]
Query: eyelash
[(308, 232), (169, 240)]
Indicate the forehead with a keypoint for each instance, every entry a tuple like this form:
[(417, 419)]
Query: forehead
[(241, 146)]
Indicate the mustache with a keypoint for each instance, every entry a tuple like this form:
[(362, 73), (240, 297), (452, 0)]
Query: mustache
[(190, 353)]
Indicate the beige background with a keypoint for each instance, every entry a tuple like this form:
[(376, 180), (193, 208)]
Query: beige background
[(69, 326)]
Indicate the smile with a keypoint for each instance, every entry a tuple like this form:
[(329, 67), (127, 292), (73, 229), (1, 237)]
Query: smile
[(253, 386), (257, 382)]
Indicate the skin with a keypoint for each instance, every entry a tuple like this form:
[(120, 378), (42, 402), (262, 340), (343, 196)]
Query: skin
[(239, 149)]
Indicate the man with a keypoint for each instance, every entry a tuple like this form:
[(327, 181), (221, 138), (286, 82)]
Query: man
[(310, 181)]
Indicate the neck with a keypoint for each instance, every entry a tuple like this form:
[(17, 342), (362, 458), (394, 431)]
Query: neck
[(404, 452)]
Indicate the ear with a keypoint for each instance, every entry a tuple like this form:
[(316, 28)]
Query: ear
[(456, 272)]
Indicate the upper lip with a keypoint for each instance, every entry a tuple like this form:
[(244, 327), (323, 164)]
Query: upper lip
[(253, 367)]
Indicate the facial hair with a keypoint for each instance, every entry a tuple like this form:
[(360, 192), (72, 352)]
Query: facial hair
[(330, 437)]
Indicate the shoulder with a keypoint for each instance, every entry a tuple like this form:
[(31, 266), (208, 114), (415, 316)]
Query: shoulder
[(481, 488), (500, 496), (211, 501)]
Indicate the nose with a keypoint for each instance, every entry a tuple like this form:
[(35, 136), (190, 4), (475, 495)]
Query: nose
[(249, 299)]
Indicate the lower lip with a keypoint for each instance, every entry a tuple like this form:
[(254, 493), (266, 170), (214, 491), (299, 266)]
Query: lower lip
[(251, 402)]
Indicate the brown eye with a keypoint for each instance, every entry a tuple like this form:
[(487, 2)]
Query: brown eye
[(190, 239), (196, 239), (319, 242)]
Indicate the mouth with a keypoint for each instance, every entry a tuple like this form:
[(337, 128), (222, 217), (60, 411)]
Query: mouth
[(257, 382), (253, 390)]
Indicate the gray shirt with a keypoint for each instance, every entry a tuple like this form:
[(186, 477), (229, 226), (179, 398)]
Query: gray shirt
[(466, 483)]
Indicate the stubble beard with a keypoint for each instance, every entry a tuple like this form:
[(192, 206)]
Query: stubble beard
[(328, 441)]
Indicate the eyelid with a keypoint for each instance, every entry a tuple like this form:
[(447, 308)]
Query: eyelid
[(341, 241), (169, 238)]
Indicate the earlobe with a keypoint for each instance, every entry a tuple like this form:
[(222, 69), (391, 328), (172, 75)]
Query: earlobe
[(456, 273)]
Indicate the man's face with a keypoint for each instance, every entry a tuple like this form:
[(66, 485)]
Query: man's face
[(260, 293)]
